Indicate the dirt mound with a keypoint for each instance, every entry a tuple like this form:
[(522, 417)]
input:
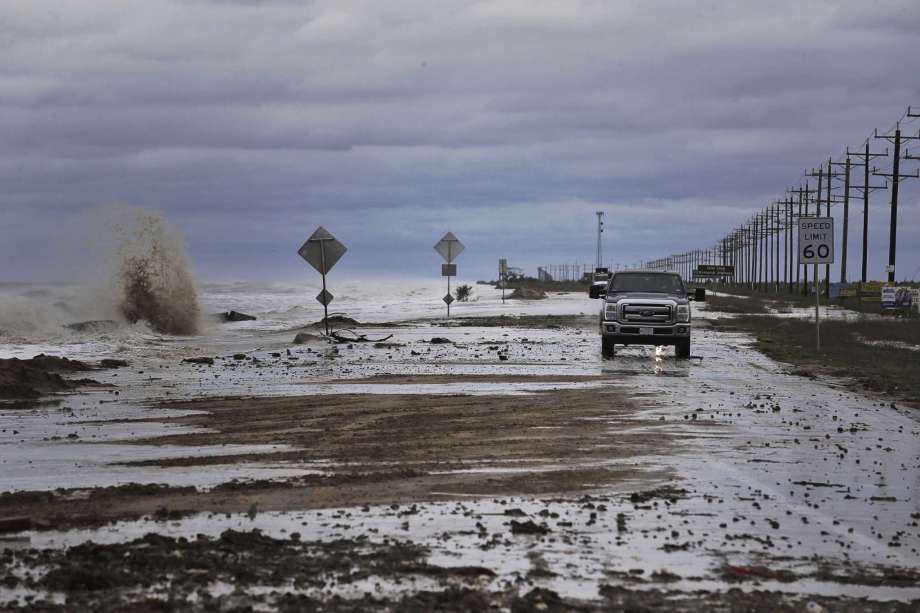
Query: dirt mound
[(55, 364), (339, 320), (528, 293), (39, 375)]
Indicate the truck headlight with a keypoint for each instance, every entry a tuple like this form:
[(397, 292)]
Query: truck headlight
[(683, 313), (610, 312)]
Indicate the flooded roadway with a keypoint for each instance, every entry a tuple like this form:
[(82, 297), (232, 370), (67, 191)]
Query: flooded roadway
[(782, 483)]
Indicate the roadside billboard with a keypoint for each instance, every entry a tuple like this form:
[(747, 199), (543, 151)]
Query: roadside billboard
[(897, 297), (867, 292), (714, 270)]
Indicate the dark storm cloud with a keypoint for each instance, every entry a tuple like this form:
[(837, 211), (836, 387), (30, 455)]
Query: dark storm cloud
[(248, 123)]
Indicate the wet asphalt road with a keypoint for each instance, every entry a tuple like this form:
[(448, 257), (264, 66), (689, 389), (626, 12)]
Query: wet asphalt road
[(785, 483)]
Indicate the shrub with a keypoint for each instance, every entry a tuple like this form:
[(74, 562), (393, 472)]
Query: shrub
[(463, 293)]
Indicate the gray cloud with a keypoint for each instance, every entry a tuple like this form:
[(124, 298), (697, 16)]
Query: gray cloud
[(248, 123)]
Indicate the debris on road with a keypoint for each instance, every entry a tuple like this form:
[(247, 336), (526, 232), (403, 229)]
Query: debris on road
[(202, 360), (34, 377), (528, 293), (235, 316)]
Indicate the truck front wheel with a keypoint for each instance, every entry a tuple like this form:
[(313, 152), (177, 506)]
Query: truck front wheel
[(607, 349), (682, 349)]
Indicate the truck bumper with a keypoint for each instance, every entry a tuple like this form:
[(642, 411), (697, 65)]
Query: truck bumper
[(632, 334)]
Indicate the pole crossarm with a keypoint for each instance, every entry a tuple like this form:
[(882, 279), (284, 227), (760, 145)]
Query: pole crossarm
[(863, 155), (891, 137), (900, 175)]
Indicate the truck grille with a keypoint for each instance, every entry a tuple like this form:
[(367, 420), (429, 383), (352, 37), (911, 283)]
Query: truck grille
[(641, 313)]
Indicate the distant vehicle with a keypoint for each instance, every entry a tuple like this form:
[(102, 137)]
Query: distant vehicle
[(600, 277), (644, 308)]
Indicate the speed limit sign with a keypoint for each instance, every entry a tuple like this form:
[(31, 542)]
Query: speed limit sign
[(816, 240)]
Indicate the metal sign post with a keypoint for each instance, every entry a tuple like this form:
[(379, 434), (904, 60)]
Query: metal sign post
[(322, 251), (817, 313), (816, 246), (449, 247), (503, 275)]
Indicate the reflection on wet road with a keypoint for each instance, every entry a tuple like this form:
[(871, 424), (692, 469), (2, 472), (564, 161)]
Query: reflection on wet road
[(784, 481)]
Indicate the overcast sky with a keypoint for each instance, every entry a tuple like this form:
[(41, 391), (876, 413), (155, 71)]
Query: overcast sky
[(390, 122)]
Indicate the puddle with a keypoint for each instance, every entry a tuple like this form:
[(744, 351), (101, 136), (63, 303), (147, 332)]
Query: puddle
[(780, 471)]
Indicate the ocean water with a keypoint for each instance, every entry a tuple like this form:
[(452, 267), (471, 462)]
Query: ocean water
[(38, 448), (34, 317)]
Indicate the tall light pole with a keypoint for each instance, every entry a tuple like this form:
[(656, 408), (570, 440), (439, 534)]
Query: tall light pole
[(600, 231)]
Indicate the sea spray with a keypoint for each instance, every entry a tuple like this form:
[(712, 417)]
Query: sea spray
[(25, 317), (152, 278)]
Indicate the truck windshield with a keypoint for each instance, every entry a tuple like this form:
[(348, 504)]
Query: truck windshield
[(641, 282)]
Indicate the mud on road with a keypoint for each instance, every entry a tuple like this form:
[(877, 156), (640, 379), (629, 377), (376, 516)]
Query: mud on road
[(545, 479), (246, 571), (355, 449)]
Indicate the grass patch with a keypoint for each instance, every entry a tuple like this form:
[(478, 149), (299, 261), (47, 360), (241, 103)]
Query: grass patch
[(734, 304), (743, 302), (844, 353)]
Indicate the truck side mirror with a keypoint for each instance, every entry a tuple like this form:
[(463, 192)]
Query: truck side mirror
[(597, 290), (700, 294)]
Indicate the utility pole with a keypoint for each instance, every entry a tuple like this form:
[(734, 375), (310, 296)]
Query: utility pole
[(787, 205), (739, 255), (829, 200), (754, 252), (776, 231), (736, 259), (846, 217), (820, 176), (827, 267), (749, 254), (758, 252), (792, 238), (774, 252), (895, 177), (742, 258), (762, 248), (798, 267), (804, 198), (866, 156), (765, 246), (793, 221), (785, 223), (808, 193), (771, 232), (768, 248)]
